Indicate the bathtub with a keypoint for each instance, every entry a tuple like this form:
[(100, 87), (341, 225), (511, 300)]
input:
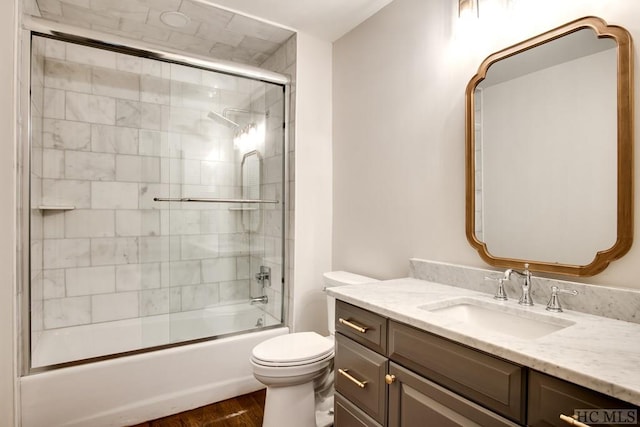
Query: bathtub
[(136, 388), (75, 343)]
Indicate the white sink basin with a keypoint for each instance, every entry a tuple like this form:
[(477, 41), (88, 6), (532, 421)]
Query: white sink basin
[(499, 318)]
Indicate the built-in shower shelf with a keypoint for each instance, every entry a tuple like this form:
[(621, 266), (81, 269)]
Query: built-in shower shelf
[(243, 209), (56, 208)]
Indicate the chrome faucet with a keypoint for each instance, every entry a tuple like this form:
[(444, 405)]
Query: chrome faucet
[(261, 300), (525, 298)]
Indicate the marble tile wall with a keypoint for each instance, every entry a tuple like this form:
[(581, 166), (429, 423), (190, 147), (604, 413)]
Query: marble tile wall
[(279, 293), (118, 131)]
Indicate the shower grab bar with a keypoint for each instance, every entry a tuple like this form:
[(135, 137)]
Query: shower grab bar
[(205, 200)]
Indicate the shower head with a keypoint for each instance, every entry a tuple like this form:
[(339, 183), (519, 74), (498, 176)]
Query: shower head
[(222, 120)]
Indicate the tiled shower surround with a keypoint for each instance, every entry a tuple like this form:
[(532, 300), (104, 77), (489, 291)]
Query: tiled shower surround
[(109, 133)]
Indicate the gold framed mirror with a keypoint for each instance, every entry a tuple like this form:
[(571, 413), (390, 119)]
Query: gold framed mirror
[(549, 151)]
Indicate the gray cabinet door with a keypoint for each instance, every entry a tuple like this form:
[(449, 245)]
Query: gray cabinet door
[(549, 397), (363, 326), (417, 402), (349, 415), (361, 365), (485, 379)]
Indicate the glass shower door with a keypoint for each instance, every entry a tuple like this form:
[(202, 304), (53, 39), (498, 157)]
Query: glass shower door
[(119, 261), (225, 192)]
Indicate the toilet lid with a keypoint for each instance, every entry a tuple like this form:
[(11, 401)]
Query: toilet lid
[(298, 348)]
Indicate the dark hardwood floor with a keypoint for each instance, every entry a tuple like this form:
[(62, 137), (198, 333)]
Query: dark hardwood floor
[(242, 411)]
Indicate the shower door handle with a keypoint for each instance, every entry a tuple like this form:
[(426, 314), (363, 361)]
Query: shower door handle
[(209, 200)]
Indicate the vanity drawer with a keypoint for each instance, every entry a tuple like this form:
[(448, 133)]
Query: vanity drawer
[(363, 326), (549, 397), (492, 382), (415, 401), (359, 376), (346, 414)]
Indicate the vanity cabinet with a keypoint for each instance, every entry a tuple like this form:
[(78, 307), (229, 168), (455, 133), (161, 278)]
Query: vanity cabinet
[(389, 374)]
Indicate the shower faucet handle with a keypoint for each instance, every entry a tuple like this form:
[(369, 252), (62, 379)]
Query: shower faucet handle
[(264, 276)]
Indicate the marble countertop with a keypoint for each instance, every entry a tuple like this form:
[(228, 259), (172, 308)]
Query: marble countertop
[(596, 352)]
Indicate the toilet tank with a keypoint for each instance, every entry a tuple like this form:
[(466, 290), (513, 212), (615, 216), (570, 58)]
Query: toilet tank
[(340, 278)]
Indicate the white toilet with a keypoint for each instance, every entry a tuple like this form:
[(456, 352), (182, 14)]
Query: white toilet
[(289, 364)]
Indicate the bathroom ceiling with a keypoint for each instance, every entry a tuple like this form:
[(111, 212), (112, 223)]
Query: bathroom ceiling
[(325, 19), (210, 31), (227, 32)]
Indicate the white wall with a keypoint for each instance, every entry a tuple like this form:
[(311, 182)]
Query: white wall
[(398, 135), (312, 193), (7, 213)]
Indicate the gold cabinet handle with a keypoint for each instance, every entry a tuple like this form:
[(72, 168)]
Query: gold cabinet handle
[(572, 421), (361, 329), (389, 378), (347, 375)]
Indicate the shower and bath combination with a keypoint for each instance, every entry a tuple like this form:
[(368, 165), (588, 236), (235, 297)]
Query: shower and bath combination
[(138, 239), (148, 217)]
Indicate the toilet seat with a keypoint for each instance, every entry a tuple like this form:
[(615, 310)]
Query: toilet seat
[(293, 364), (301, 348)]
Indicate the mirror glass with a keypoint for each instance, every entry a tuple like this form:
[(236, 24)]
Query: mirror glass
[(544, 144)]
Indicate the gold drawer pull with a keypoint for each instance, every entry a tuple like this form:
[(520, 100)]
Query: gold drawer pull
[(358, 328), (389, 379), (572, 421), (344, 372)]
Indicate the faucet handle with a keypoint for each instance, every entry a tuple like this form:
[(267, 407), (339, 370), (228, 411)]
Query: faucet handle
[(500, 293), (554, 302)]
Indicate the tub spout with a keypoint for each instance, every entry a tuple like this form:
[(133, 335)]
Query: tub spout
[(259, 300)]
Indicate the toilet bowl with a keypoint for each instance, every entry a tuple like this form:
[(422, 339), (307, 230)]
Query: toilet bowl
[(289, 365)]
